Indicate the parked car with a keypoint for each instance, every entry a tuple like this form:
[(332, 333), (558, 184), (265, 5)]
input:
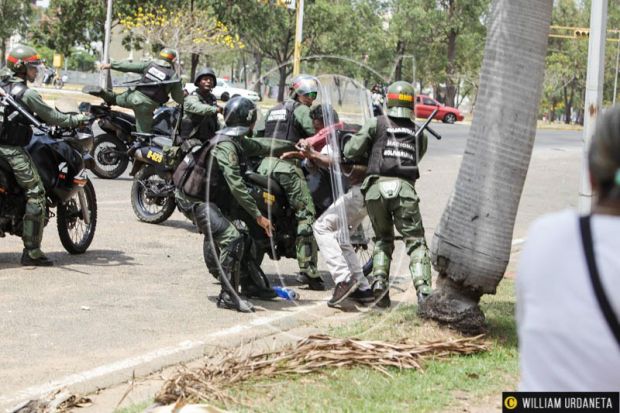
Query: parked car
[(425, 105), (224, 91)]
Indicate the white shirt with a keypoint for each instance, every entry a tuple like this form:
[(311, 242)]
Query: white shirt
[(565, 344)]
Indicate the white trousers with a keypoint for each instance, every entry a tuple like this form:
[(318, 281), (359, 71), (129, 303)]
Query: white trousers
[(341, 259)]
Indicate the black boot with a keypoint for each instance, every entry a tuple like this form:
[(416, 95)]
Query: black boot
[(314, 283), (37, 261), (381, 291), (226, 301)]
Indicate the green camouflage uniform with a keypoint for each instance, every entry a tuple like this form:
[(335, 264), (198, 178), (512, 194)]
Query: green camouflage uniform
[(289, 175), (201, 113), (227, 155), (142, 105), (25, 171), (397, 205)]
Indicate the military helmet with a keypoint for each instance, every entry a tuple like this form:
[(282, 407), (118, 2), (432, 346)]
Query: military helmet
[(304, 85), (20, 57), (239, 111), (169, 55), (400, 99), (207, 71)]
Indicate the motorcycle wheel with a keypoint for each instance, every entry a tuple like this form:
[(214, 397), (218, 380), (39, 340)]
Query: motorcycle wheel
[(110, 157), (58, 83), (75, 234), (153, 210)]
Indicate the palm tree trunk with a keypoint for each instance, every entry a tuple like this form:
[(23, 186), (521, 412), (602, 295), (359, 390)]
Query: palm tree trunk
[(471, 246)]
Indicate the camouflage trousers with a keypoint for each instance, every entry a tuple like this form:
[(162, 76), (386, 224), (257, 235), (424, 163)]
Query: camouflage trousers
[(142, 106), (291, 178), (29, 180), (393, 202)]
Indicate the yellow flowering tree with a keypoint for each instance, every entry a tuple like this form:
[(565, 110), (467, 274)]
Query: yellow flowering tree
[(196, 32)]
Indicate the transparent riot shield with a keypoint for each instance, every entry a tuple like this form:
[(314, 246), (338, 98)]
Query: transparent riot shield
[(346, 106)]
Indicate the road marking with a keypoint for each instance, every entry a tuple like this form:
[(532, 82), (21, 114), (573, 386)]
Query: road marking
[(35, 392)]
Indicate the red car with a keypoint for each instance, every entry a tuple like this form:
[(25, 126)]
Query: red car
[(425, 105)]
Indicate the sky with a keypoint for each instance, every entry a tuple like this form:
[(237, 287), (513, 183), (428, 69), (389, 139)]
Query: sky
[(43, 3)]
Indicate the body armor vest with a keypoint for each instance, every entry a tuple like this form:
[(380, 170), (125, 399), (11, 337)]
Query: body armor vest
[(395, 152), (280, 122), (156, 74), (15, 129)]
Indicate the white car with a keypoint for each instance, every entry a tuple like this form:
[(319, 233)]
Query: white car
[(224, 91)]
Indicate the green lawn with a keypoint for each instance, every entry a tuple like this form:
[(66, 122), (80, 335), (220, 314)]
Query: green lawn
[(442, 386)]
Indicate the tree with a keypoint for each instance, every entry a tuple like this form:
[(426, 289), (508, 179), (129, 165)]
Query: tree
[(471, 246), (191, 31), (70, 23), (14, 15), (59, 29), (269, 31)]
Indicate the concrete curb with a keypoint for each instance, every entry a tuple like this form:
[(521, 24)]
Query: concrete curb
[(124, 370)]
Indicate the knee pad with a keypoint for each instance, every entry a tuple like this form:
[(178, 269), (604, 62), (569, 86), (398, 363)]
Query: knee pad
[(209, 219), (33, 223), (381, 262)]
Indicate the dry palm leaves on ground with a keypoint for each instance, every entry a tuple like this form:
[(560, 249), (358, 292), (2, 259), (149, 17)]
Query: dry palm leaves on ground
[(311, 354)]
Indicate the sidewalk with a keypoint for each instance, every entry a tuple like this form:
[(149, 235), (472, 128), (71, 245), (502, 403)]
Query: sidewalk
[(552, 184)]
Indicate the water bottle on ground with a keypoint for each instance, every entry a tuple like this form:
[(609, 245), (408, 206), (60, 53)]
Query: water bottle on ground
[(286, 293)]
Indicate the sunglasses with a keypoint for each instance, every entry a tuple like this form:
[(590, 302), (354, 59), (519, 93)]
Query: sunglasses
[(311, 95)]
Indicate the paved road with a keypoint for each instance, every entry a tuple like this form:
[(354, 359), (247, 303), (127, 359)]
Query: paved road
[(142, 287)]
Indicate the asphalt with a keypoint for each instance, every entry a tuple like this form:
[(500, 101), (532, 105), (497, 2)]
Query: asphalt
[(141, 297)]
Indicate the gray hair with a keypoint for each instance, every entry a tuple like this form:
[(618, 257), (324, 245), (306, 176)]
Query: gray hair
[(604, 154)]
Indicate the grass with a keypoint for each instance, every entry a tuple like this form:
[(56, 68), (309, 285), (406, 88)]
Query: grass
[(444, 385)]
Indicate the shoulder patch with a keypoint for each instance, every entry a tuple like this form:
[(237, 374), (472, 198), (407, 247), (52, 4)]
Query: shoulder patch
[(233, 158)]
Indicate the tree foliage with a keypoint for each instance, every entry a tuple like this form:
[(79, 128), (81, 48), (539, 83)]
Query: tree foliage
[(14, 17)]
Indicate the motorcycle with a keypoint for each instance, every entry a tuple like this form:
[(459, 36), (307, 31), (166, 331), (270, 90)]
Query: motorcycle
[(51, 78), (61, 156), (110, 148), (152, 190)]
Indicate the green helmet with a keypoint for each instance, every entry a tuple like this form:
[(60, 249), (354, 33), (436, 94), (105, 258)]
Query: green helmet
[(20, 57), (304, 85), (207, 71), (168, 55), (400, 99), (240, 111)]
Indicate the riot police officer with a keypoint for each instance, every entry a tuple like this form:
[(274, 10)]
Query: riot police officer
[(159, 81), (217, 176), (24, 62), (290, 120), (200, 108), (389, 190)]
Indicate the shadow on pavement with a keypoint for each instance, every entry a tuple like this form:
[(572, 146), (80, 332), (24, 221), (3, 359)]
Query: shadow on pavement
[(99, 258)]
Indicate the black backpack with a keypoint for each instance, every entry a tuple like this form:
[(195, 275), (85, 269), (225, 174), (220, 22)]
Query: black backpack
[(15, 129), (191, 174)]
